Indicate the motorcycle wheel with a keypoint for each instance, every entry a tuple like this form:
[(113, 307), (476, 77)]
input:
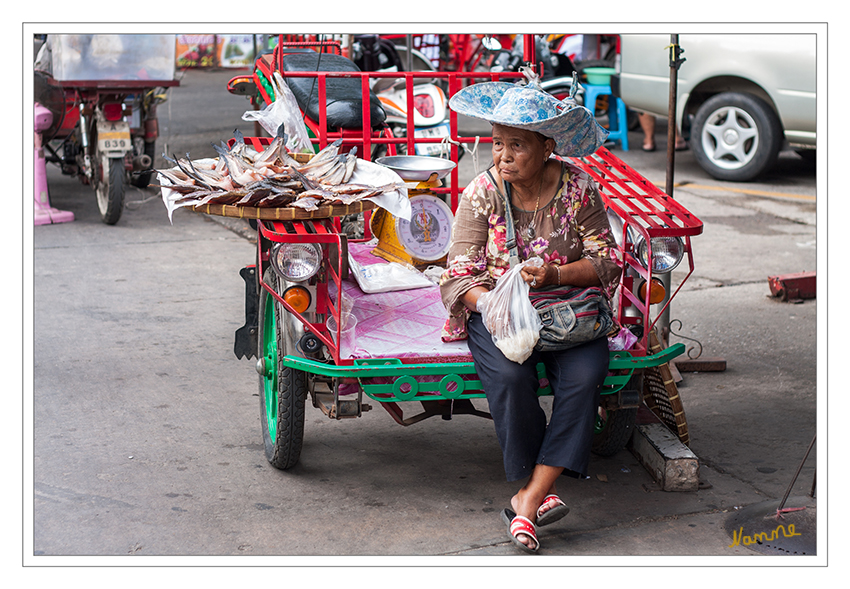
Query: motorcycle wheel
[(110, 188), (615, 427), (560, 92), (283, 390)]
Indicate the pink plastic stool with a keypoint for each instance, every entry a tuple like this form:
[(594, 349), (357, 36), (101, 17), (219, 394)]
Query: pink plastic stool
[(43, 212)]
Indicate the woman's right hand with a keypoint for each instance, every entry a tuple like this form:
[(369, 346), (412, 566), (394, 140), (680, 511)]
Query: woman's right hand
[(481, 301)]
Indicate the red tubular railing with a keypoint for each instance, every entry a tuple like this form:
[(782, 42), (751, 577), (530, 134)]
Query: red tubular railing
[(321, 231), (265, 66)]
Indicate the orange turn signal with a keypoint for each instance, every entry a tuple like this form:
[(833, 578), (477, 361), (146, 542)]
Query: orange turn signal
[(656, 292), (297, 297)]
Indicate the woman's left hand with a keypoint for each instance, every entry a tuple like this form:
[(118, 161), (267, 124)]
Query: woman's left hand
[(539, 276)]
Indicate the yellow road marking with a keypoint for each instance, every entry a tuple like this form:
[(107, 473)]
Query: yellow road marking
[(743, 191)]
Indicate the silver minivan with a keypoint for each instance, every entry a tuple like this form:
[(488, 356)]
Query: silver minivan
[(741, 98)]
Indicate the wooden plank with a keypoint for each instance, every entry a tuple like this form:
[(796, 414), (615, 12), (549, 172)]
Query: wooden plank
[(284, 213), (700, 364)]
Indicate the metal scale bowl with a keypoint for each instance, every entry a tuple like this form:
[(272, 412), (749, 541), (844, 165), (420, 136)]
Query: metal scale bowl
[(424, 240)]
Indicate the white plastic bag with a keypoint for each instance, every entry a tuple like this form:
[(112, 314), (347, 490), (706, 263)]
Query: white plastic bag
[(284, 110), (509, 316), (386, 277)]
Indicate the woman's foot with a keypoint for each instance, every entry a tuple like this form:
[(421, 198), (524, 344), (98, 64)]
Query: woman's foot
[(524, 505), (648, 146), (522, 531), (551, 510), (527, 500)]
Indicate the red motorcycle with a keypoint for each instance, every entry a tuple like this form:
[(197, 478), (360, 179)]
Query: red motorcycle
[(103, 91)]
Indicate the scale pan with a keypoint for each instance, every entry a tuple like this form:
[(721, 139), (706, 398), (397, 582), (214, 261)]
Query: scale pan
[(417, 167)]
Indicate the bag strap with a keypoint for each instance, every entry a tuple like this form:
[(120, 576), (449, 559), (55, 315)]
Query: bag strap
[(510, 242)]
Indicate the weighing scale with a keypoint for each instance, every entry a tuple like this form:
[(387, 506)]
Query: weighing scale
[(424, 240)]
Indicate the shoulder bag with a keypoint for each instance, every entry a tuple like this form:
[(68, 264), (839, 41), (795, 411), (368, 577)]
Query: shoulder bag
[(571, 315)]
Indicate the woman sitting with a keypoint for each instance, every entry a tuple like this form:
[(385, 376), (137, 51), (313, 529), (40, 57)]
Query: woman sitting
[(560, 217)]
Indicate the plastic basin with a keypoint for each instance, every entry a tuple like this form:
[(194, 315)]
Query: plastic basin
[(599, 76)]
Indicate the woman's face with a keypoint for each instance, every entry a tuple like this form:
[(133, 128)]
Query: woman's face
[(518, 154)]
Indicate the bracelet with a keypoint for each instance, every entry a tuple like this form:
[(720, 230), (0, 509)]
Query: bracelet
[(558, 268)]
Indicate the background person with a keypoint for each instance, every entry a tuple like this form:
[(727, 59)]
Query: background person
[(647, 125)]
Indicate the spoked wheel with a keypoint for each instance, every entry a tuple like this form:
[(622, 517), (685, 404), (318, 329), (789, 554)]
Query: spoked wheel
[(615, 427), (283, 390), (110, 188)]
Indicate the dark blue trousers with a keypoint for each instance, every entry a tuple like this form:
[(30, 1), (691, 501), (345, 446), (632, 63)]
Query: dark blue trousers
[(576, 376)]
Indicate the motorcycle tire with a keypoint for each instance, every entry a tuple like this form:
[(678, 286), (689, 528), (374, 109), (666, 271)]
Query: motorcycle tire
[(283, 390), (614, 427), (110, 188)]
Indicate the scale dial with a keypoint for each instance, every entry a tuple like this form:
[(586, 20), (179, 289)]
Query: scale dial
[(426, 236)]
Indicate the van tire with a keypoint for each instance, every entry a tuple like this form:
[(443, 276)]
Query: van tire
[(736, 136)]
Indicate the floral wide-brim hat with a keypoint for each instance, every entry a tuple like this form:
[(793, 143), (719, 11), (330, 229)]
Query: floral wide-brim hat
[(573, 127)]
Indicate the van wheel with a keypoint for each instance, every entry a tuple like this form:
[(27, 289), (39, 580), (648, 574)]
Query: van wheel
[(736, 136)]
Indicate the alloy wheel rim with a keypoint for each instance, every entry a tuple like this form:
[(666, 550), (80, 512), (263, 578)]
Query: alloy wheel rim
[(730, 138)]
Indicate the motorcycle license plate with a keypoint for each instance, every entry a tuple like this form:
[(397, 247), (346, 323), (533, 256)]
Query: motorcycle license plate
[(438, 131), (113, 136)]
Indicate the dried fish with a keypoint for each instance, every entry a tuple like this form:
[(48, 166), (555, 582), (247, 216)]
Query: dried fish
[(328, 153), (348, 188), (350, 164), (309, 203), (254, 196), (319, 193), (224, 198), (243, 176), (275, 200)]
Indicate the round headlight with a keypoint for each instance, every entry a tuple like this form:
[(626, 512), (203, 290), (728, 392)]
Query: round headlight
[(667, 253), (296, 261)]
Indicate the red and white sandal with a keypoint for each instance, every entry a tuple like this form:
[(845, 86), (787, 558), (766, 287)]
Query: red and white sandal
[(552, 514), (521, 525)]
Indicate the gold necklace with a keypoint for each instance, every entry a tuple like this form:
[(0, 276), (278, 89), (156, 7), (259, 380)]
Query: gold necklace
[(529, 230)]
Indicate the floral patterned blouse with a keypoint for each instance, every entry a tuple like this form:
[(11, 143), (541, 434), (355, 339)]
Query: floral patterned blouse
[(572, 225)]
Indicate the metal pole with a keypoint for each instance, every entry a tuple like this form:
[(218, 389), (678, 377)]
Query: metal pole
[(675, 62), (796, 474), (409, 53)]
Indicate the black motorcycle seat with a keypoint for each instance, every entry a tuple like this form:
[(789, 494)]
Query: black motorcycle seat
[(344, 95)]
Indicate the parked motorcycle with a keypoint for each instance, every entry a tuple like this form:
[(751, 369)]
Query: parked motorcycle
[(431, 112), (342, 114), (103, 91), (387, 109)]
